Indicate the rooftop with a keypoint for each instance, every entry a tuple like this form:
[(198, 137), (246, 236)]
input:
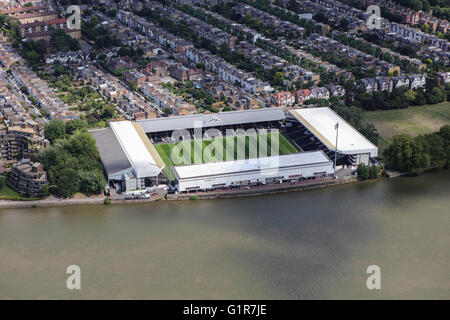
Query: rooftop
[(322, 121), (266, 165), (135, 149), (211, 120), (112, 155)]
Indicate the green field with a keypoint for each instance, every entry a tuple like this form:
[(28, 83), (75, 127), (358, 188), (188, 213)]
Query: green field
[(208, 150), (413, 121)]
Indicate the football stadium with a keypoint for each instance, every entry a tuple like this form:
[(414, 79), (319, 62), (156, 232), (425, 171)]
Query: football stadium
[(225, 150)]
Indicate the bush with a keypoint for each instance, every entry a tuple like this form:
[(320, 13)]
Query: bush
[(193, 198), (107, 201), (45, 190), (368, 172), (363, 171), (374, 172)]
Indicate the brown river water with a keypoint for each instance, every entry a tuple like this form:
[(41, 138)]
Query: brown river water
[(314, 244)]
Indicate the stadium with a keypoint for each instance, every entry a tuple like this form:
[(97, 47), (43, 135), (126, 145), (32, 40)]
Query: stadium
[(226, 150)]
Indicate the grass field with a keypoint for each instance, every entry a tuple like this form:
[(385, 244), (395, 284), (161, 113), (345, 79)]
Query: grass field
[(209, 154), (413, 121)]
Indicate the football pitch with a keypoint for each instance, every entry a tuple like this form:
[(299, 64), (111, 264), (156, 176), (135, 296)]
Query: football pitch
[(225, 149)]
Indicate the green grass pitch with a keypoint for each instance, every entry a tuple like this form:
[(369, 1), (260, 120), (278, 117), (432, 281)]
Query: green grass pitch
[(209, 152)]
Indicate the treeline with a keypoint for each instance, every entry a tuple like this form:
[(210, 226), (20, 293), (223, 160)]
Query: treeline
[(418, 5), (72, 162), (416, 155), (402, 98), (440, 7), (442, 13)]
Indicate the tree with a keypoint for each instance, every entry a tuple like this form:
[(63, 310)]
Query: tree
[(370, 132), (444, 132), (74, 125), (108, 111), (434, 145), (363, 171), (82, 143), (45, 190), (406, 155), (410, 96), (436, 95), (67, 182), (91, 182), (374, 171), (55, 129), (133, 86), (58, 69), (32, 56)]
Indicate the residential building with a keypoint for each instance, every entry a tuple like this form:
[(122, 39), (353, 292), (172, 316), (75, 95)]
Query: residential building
[(28, 178)]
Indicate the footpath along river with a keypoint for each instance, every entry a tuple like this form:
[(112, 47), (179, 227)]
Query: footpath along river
[(307, 244)]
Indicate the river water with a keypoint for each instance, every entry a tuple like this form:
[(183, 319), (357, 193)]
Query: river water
[(298, 245)]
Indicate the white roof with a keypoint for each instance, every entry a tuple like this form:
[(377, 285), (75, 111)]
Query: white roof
[(322, 122), (266, 164), (143, 163)]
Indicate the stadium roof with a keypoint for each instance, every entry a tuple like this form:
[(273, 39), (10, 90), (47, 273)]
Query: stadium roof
[(322, 122), (266, 164), (112, 155), (135, 149), (212, 120)]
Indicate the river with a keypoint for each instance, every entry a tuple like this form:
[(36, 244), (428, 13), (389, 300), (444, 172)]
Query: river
[(314, 244)]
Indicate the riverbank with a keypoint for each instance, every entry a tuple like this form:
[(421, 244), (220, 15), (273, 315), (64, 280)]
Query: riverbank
[(231, 193), (261, 190)]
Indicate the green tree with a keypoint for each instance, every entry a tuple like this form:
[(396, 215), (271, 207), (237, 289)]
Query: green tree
[(58, 69), (74, 125), (67, 182), (45, 190), (410, 96), (405, 154), (444, 132), (374, 171), (81, 144), (92, 182), (54, 129), (363, 171)]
